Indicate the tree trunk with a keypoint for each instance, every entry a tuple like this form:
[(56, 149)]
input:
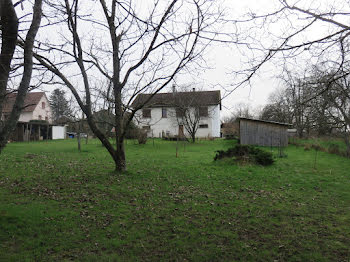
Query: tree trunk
[(9, 31), (193, 137), (120, 164), (10, 124), (347, 143)]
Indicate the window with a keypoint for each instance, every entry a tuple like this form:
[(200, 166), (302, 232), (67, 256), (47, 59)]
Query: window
[(164, 114), (40, 117), (180, 112), (203, 126), (146, 128), (43, 105), (203, 111), (46, 118), (146, 113)]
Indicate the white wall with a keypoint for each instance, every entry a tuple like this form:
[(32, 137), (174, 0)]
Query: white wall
[(170, 123), (58, 132), (44, 112), (215, 116), (25, 116)]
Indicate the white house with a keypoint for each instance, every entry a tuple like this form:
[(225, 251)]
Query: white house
[(29, 126), (36, 107), (163, 113)]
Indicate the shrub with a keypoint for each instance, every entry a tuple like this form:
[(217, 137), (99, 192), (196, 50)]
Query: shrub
[(246, 153), (317, 147), (307, 147), (334, 149), (131, 131), (264, 158), (142, 136)]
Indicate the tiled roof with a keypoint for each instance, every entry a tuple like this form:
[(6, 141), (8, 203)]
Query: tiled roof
[(194, 98), (30, 101)]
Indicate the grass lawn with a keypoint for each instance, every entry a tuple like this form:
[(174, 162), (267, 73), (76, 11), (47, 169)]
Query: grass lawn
[(57, 204)]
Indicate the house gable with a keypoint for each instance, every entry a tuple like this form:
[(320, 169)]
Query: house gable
[(42, 110), (32, 106)]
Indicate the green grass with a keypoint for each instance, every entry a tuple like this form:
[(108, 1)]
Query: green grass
[(324, 142), (57, 204)]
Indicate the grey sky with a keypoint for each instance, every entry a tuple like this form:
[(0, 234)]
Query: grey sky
[(223, 59)]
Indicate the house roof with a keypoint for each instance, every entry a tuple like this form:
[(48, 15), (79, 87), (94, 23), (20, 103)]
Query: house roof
[(194, 98), (30, 102), (264, 121)]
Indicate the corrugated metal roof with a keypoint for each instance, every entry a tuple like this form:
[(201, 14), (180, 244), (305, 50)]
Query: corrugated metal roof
[(264, 121)]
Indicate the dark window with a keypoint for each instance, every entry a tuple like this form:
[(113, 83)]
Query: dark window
[(40, 117), (146, 128), (180, 112), (43, 105), (164, 115), (46, 118), (146, 113), (203, 126), (203, 111)]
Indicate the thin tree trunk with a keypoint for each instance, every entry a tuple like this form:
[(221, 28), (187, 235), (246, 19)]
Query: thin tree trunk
[(10, 124), (193, 137), (120, 164), (79, 145)]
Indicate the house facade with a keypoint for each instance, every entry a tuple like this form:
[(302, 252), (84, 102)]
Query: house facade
[(35, 119), (172, 114), (36, 107)]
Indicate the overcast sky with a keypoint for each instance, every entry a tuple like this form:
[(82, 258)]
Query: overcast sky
[(224, 58)]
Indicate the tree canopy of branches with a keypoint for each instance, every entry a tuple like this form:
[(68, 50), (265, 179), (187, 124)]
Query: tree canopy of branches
[(137, 46), (9, 35), (294, 36)]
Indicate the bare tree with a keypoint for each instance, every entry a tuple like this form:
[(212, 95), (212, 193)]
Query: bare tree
[(293, 36), (149, 44), (189, 111), (9, 28)]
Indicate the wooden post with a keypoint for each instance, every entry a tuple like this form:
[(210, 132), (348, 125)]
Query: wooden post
[(23, 132), (78, 137), (47, 131), (30, 131), (177, 145)]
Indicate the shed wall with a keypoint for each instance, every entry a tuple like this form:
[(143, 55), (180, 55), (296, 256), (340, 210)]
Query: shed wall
[(58, 132), (262, 134)]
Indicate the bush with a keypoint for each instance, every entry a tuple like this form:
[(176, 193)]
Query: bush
[(247, 153), (131, 131), (334, 149), (307, 147), (142, 136), (264, 158), (317, 147)]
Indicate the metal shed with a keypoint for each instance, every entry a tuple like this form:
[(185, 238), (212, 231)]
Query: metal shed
[(262, 133)]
